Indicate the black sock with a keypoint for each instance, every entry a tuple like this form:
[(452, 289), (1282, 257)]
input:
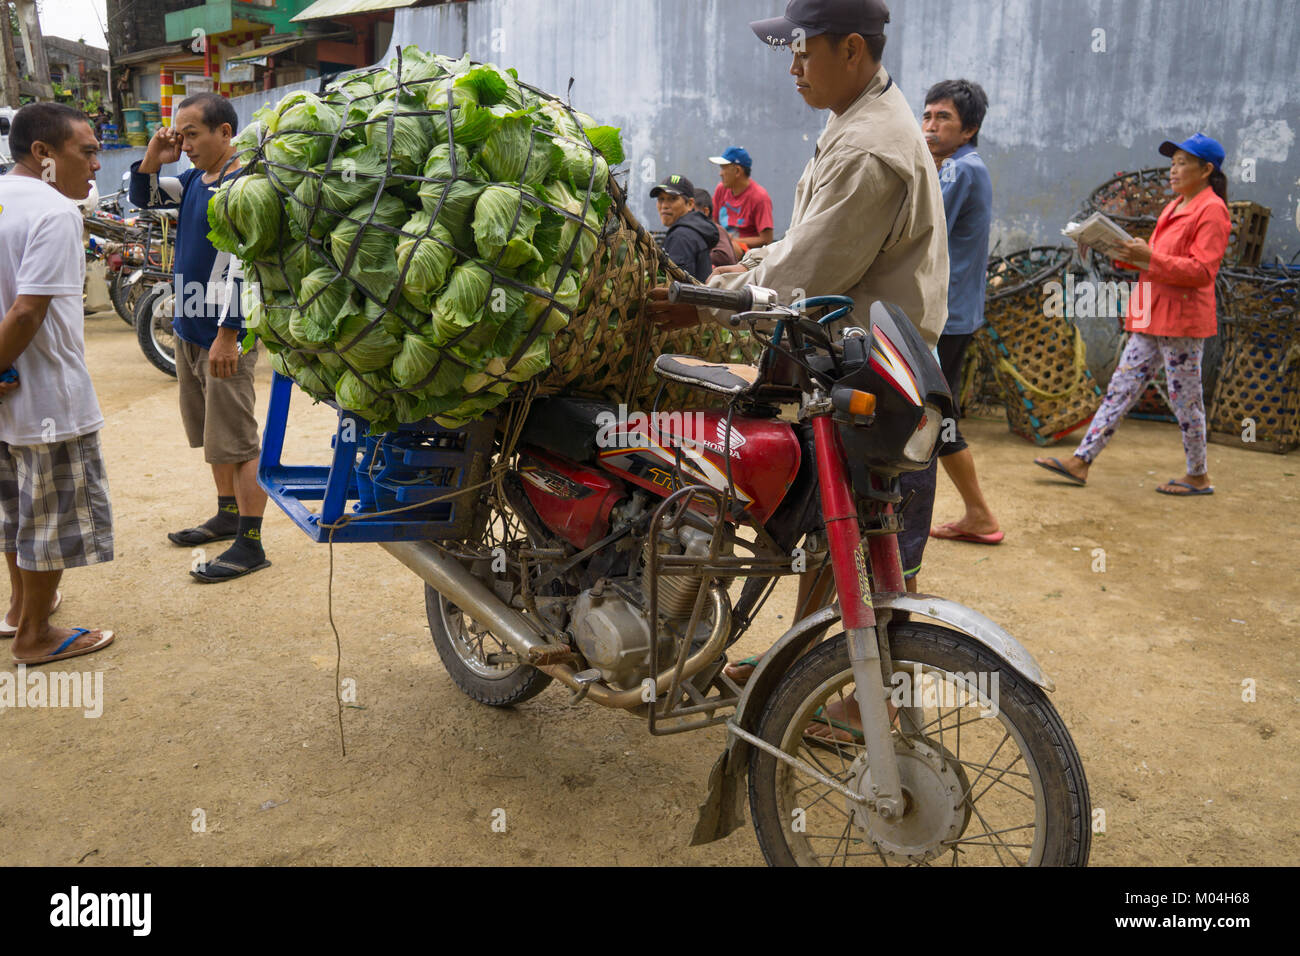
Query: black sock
[(226, 520), (247, 548)]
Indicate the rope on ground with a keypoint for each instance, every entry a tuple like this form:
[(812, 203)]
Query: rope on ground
[(1080, 366)]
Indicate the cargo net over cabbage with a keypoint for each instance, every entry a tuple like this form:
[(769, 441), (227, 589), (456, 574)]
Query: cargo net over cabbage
[(412, 239)]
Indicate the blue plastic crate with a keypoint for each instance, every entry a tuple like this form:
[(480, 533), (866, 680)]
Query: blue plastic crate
[(416, 463)]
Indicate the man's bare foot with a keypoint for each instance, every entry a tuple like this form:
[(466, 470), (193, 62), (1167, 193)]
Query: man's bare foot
[(26, 648), (15, 610)]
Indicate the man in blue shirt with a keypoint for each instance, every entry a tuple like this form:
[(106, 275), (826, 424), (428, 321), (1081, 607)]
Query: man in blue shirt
[(215, 377), (954, 112)]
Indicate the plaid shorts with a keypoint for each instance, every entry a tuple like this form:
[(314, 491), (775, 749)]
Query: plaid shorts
[(55, 497)]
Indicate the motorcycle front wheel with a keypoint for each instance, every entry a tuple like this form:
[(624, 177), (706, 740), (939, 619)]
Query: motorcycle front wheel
[(989, 773)]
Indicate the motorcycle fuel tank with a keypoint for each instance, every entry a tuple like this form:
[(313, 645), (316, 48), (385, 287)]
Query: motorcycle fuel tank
[(572, 500), (763, 454)]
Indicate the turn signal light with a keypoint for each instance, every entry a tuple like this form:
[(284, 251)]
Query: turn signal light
[(861, 403)]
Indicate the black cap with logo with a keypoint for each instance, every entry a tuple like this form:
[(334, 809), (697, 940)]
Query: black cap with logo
[(678, 185), (810, 18)]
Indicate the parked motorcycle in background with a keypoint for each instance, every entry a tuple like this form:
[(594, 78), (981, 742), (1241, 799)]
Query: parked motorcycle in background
[(137, 255)]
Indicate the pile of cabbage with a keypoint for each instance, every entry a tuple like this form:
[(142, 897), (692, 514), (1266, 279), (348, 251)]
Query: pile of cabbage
[(412, 239)]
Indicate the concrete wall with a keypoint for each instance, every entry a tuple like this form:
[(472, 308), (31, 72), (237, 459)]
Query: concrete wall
[(1070, 106)]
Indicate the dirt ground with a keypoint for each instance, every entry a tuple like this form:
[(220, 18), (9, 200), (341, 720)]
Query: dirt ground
[(219, 699)]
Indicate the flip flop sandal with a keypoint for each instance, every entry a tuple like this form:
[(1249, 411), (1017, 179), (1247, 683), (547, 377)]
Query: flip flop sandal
[(747, 662), (62, 653), (227, 571), (190, 537), (948, 532), (7, 631), (1191, 491), (1058, 469), (819, 717)]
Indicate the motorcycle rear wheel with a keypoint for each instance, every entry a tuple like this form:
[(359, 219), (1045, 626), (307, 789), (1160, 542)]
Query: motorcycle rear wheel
[(125, 296), (985, 786), (464, 645)]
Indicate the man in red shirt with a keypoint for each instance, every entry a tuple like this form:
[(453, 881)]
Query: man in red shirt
[(741, 206)]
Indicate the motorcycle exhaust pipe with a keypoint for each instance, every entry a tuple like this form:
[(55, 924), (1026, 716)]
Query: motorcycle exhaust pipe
[(453, 580)]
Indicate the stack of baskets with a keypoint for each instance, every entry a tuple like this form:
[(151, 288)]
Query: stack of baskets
[(1256, 401), (1036, 366), (1037, 360), (608, 349)]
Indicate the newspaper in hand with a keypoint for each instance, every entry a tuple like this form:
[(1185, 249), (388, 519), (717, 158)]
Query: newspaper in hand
[(1101, 233)]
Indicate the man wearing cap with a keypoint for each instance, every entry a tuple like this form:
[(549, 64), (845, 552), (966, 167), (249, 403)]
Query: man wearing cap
[(691, 235), (741, 206), (868, 216)]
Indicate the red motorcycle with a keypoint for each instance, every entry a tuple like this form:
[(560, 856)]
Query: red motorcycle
[(881, 728)]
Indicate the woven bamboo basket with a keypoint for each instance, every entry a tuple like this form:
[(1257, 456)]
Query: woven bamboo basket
[(1133, 199), (979, 394), (1249, 233), (1258, 390), (608, 349), (1039, 361)]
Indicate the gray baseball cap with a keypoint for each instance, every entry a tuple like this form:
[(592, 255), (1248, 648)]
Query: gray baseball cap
[(810, 18)]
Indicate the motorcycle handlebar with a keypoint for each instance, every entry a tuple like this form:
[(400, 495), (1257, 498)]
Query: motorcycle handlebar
[(730, 300)]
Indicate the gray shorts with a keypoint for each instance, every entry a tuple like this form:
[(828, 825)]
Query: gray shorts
[(217, 412), (55, 504)]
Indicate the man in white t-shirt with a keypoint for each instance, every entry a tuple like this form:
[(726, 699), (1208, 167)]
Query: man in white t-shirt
[(53, 489)]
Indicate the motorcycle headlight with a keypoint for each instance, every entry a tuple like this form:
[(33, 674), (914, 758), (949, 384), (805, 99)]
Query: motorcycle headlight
[(920, 447)]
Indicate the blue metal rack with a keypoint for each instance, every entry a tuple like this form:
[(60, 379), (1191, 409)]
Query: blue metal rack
[(371, 475)]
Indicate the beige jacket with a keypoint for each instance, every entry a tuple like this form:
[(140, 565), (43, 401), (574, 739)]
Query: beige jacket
[(868, 218)]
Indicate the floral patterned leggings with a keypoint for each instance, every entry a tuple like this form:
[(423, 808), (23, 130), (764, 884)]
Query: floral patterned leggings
[(1182, 358)]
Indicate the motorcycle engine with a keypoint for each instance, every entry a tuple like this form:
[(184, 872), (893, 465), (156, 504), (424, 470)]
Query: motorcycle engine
[(611, 625)]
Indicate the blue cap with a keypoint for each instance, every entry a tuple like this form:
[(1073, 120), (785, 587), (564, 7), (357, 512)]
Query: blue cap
[(734, 154), (1200, 146)]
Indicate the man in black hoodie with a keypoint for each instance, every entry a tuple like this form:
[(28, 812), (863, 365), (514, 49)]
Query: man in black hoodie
[(691, 234)]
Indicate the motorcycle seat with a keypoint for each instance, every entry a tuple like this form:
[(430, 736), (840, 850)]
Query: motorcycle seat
[(567, 425), (722, 378)]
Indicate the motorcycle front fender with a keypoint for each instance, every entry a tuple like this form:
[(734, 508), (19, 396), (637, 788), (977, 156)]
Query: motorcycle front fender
[(723, 809)]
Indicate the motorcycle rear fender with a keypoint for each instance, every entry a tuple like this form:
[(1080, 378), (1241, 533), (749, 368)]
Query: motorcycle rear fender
[(723, 809)]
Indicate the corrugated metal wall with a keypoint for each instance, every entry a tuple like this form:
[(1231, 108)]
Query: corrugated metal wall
[(1078, 89)]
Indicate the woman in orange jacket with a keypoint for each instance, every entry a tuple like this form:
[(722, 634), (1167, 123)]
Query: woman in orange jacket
[(1173, 314)]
